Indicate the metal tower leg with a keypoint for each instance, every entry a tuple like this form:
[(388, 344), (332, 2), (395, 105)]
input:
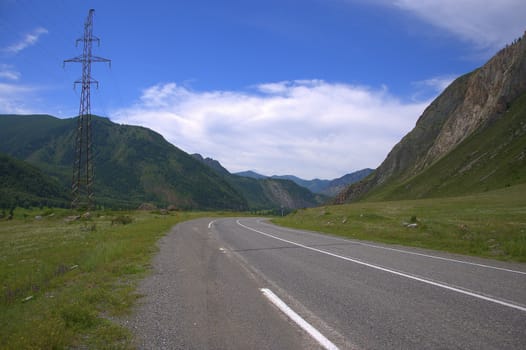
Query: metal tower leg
[(82, 181)]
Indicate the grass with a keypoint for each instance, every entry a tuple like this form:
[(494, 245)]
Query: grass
[(490, 224), (64, 282)]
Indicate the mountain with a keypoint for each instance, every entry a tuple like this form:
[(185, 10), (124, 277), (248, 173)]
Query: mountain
[(23, 185), (315, 186), (132, 164), (274, 193), (262, 192), (212, 163), (470, 139), (251, 174), (325, 187), (337, 185)]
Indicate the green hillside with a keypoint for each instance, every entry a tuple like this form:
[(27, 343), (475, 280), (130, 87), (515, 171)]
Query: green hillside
[(23, 185), (266, 193), (132, 164), (273, 193), (492, 158), (470, 139)]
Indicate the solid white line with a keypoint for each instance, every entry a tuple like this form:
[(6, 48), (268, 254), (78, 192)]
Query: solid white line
[(442, 258), (313, 332), (420, 254), (416, 278)]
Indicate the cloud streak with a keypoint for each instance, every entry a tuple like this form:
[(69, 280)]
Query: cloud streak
[(489, 25), (432, 87), (8, 72), (13, 98), (309, 128), (29, 39)]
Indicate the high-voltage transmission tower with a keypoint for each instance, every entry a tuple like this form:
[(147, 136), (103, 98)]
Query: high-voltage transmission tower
[(82, 182)]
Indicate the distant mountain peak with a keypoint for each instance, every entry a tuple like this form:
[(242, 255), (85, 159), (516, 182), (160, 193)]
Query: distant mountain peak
[(263, 192), (212, 163), (251, 174), (318, 186)]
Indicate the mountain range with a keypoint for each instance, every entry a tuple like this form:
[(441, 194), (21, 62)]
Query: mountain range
[(324, 187), (262, 192), (471, 138), (134, 165)]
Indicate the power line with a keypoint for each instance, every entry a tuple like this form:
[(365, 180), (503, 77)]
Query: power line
[(82, 182)]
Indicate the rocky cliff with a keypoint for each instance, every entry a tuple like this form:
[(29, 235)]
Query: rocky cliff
[(489, 92), (470, 104)]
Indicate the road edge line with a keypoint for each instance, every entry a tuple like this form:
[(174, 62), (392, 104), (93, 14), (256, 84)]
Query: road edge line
[(394, 272), (430, 256), (307, 327)]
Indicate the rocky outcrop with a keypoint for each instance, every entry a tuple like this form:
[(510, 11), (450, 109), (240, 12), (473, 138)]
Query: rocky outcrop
[(279, 192), (337, 185), (489, 92), (471, 103)]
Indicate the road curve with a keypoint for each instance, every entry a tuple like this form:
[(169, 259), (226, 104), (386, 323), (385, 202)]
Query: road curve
[(212, 280)]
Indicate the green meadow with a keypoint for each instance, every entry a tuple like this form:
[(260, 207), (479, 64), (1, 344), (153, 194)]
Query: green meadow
[(65, 283), (490, 224)]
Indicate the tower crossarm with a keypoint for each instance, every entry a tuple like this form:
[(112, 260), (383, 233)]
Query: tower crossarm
[(82, 181), (82, 59)]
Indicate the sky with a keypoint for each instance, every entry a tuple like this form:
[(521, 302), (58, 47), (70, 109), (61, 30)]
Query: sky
[(313, 88)]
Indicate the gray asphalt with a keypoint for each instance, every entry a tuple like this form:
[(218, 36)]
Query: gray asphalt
[(205, 293), (200, 297)]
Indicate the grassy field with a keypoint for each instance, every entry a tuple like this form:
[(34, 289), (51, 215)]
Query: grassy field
[(490, 224), (63, 282)]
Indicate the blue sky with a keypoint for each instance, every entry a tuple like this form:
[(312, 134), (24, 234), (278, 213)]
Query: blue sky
[(314, 88)]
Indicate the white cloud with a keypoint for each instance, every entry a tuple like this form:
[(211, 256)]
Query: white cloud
[(309, 128), (28, 40), (13, 98), (487, 24), (432, 87), (439, 83), (7, 72)]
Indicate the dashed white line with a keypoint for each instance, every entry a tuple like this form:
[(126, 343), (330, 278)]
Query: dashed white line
[(416, 278), (307, 327)]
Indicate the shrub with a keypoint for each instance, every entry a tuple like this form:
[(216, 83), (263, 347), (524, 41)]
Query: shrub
[(123, 219)]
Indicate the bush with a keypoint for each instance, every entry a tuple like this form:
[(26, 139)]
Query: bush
[(123, 219)]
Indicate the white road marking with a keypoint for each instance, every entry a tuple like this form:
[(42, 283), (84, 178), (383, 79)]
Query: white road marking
[(210, 224), (416, 278), (313, 332), (446, 259), (415, 253)]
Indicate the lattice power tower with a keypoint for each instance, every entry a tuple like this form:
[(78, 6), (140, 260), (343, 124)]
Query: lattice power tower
[(82, 182)]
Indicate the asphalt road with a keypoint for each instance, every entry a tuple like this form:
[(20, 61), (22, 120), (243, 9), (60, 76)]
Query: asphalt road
[(212, 278)]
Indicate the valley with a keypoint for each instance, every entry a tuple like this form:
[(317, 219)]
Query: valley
[(428, 250)]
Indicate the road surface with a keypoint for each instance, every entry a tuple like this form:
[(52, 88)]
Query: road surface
[(246, 284)]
